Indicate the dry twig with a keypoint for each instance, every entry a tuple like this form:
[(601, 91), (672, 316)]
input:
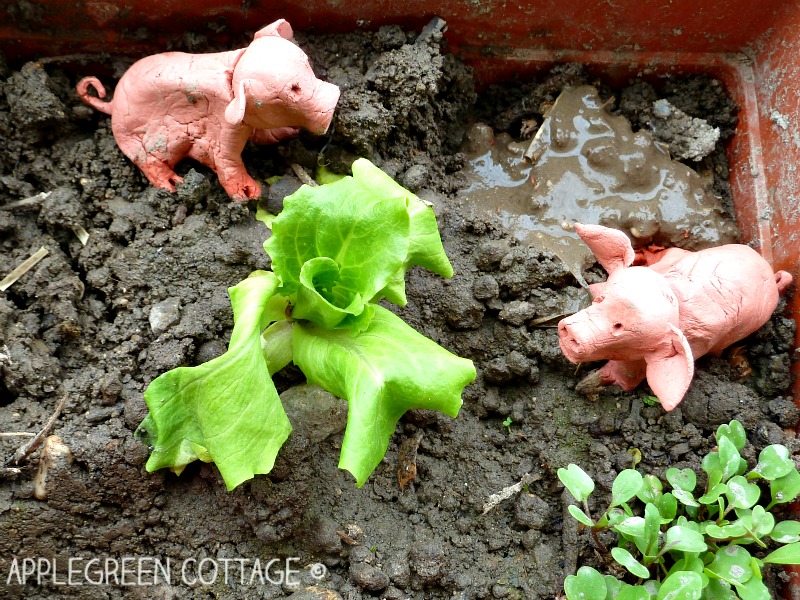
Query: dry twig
[(30, 201), (506, 493), (23, 452), (9, 472), (302, 175)]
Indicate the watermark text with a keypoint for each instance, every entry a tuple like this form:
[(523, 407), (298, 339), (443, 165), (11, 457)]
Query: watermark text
[(151, 570)]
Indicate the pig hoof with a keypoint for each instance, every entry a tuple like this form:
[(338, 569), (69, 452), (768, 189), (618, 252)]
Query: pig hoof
[(249, 190)]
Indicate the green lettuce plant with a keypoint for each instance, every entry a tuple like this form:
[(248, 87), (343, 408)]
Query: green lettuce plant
[(685, 543), (336, 250)]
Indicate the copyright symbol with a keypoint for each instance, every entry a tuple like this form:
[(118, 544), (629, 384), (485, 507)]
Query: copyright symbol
[(318, 570)]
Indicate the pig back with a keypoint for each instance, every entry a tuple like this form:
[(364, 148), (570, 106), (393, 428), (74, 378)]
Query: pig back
[(724, 294), (157, 85)]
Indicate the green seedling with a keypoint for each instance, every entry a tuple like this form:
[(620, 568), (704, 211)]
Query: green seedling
[(651, 400), (689, 543), (507, 423), (336, 250)]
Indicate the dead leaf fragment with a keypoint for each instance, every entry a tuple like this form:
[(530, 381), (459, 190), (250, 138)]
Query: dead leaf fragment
[(407, 457), (739, 363)]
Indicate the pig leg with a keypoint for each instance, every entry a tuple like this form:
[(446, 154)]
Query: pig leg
[(234, 177), (157, 170), (625, 373), (160, 174), (226, 160)]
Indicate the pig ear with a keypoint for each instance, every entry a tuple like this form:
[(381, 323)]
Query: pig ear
[(669, 377), (234, 112), (280, 28), (611, 247)]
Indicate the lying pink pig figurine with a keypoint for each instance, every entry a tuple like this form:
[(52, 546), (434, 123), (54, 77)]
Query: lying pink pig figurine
[(654, 321), (206, 106)]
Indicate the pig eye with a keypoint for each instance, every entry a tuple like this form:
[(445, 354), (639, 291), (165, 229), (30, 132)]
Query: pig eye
[(296, 88), (617, 326)]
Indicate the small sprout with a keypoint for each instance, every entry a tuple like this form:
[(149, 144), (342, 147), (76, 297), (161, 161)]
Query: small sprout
[(588, 584), (785, 555), (507, 423), (733, 431), (627, 560), (575, 479), (625, 486), (682, 479), (636, 457), (682, 584), (773, 463), (651, 400), (681, 547)]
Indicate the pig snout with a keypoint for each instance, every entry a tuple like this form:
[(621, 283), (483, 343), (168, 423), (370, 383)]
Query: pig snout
[(576, 338), (321, 106), (594, 334)]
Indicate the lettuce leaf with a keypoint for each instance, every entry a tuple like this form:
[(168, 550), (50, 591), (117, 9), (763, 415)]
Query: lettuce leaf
[(382, 372), (363, 237), (370, 226), (226, 410), (425, 247)]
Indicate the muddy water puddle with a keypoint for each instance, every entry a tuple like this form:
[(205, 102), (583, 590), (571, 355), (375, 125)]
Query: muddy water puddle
[(586, 165)]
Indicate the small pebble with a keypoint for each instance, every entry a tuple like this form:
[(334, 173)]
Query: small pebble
[(164, 315)]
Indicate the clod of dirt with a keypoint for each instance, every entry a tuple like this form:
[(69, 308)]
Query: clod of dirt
[(62, 209), (322, 537), (314, 412), (425, 560), (285, 186), (533, 512), (194, 188), (30, 98), (368, 577), (784, 411), (688, 138), (485, 288), (699, 97)]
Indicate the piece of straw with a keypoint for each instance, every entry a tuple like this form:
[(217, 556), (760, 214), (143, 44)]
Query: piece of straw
[(26, 266)]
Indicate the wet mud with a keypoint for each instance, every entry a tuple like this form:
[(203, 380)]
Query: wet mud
[(585, 164)]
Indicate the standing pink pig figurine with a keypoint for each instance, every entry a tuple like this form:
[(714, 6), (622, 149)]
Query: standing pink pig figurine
[(655, 321), (206, 106)]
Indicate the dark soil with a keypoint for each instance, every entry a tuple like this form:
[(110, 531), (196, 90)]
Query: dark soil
[(147, 293)]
